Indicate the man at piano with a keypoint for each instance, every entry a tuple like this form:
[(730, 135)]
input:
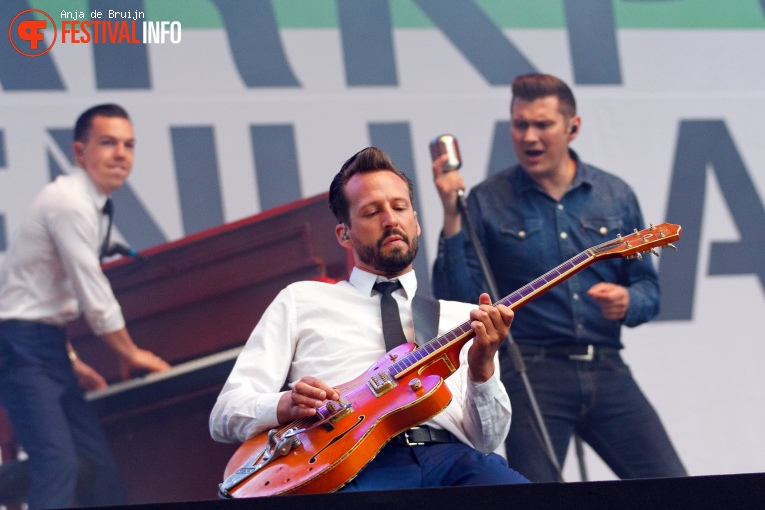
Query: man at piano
[(315, 336), (50, 274)]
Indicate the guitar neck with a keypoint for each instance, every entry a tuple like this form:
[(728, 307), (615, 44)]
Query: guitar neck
[(548, 280), (458, 336), (630, 246)]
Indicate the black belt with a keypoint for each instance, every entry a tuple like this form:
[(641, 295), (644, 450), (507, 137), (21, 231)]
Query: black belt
[(576, 352), (422, 435)]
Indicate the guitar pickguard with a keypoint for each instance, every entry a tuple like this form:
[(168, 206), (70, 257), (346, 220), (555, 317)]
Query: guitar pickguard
[(445, 369)]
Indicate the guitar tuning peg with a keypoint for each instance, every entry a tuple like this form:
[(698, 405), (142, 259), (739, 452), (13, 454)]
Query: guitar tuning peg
[(636, 232), (639, 256), (651, 226), (654, 252), (670, 245)]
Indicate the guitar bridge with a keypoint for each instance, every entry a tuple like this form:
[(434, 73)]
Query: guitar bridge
[(381, 383)]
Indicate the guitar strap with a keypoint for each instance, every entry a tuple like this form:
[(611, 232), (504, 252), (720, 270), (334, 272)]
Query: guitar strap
[(426, 312)]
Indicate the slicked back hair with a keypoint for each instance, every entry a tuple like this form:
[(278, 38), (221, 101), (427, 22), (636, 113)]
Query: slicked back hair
[(366, 160), (530, 87), (85, 120)]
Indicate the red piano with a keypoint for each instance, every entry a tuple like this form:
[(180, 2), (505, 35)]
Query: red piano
[(194, 302)]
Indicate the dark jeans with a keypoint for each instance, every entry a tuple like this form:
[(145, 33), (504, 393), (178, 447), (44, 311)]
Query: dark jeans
[(436, 465), (51, 418), (601, 402)]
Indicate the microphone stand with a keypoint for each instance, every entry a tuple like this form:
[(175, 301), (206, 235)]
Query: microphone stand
[(515, 353)]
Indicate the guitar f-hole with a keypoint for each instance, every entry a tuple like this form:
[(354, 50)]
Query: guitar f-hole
[(337, 438)]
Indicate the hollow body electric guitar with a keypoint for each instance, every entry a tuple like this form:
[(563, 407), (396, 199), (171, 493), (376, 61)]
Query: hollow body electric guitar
[(403, 389)]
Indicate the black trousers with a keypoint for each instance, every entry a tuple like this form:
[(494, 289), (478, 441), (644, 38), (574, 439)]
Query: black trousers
[(52, 420)]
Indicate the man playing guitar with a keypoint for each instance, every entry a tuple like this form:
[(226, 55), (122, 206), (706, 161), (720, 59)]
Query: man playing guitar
[(316, 336)]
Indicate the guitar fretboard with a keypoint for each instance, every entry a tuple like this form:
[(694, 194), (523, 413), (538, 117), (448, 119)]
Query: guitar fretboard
[(514, 300), (628, 246)]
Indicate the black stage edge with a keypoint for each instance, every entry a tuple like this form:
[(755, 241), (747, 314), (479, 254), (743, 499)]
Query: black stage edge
[(743, 491)]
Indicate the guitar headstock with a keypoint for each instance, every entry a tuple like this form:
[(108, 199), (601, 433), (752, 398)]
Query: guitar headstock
[(633, 245)]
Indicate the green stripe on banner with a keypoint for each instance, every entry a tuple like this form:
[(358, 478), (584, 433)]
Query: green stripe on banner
[(687, 14), (506, 14)]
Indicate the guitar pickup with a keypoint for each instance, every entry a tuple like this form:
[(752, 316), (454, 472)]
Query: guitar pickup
[(336, 411), (381, 383)]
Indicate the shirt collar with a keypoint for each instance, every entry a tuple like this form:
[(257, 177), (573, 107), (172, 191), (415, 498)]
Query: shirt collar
[(583, 174), (93, 191), (581, 177), (364, 281)]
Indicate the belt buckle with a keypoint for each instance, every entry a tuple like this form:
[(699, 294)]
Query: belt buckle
[(411, 443), (589, 356)]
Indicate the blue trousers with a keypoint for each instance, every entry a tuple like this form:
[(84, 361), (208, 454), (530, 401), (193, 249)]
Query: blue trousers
[(602, 403), (52, 420), (435, 465)]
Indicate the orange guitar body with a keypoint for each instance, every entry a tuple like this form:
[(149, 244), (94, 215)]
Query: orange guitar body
[(326, 458)]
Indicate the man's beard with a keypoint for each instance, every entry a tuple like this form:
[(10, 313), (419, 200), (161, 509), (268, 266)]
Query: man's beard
[(394, 262)]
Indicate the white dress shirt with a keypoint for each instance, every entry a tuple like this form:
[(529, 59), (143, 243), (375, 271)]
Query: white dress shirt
[(334, 332), (51, 272)]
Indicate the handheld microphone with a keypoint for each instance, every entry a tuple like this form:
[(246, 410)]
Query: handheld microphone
[(446, 144)]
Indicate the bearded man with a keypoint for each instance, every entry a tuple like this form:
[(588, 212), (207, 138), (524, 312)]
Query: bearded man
[(315, 336)]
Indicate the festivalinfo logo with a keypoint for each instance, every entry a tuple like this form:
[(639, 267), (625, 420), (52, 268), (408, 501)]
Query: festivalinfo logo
[(27, 30)]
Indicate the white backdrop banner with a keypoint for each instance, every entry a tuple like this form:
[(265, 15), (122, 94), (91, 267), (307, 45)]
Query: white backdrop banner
[(243, 105)]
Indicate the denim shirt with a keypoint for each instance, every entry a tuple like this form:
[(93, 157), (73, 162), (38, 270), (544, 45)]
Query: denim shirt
[(525, 233)]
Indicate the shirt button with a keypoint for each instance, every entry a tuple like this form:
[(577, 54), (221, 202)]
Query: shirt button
[(575, 296), (522, 234), (560, 207), (603, 230), (563, 235)]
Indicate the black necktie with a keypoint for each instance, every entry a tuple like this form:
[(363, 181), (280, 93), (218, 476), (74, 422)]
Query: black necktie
[(108, 210), (391, 320)]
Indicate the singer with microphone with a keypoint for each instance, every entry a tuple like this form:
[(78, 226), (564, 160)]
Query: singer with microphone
[(50, 274), (531, 218)]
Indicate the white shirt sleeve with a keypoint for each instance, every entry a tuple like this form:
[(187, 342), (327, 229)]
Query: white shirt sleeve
[(75, 233), (247, 403), (481, 413), (487, 413)]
